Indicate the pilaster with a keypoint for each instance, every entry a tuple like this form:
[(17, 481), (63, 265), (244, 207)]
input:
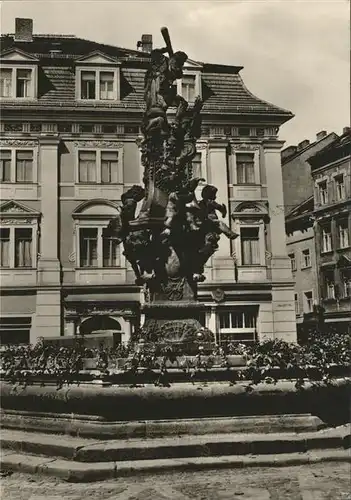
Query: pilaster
[(223, 267), (280, 264), (48, 318), (48, 263)]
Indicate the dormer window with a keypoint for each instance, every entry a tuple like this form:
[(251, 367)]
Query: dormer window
[(97, 85), (23, 82), (188, 88), (106, 85), (5, 82), (16, 83), (97, 78)]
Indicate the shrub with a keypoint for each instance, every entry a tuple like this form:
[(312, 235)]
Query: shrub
[(268, 361)]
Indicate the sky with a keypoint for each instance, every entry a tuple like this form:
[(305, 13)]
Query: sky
[(295, 53)]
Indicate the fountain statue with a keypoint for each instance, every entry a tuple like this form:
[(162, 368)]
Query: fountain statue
[(174, 234)]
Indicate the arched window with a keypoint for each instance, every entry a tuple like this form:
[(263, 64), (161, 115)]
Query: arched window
[(98, 258)]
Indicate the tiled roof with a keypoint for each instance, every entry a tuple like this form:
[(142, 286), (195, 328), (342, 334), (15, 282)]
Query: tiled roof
[(222, 87)]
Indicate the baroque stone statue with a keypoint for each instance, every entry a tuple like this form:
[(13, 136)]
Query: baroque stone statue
[(169, 242)]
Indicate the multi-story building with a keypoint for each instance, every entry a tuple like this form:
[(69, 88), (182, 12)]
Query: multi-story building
[(298, 208), (300, 244), (331, 173), (71, 110)]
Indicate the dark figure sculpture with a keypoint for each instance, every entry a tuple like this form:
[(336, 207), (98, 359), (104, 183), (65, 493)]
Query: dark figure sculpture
[(208, 205), (175, 234)]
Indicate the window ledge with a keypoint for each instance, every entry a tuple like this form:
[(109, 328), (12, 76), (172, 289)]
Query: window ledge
[(252, 265), (341, 249), (98, 269), (98, 101), (99, 184), (18, 268), (327, 252), (20, 99), (345, 299), (305, 267), (246, 184)]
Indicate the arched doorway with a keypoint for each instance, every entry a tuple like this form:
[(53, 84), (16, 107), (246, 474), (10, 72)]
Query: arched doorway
[(99, 324)]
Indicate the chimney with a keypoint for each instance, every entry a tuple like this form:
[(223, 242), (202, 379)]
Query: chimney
[(320, 135), (346, 130), (146, 43), (303, 144), (23, 30), (287, 152)]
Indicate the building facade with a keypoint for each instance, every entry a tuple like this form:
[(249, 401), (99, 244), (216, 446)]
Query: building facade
[(71, 110), (301, 250), (318, 227), (298, 209), (331, 173)]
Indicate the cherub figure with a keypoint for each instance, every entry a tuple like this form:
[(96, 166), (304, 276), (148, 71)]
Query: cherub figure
[(119, 226), (134, 243), (209, 207), (182, 208)]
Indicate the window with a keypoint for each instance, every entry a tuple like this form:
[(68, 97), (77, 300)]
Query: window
[(23, 82), (5, 82), (323, 193), (96, 84), (109, 167), (329, 284), (110, 251), (245, 167), (346, 282), (88, 247), (306, 258), (242, 323), (23, 247), (15, 329), (17, 82), (16, 247), (95, 167), (18, 166), (4, 247), (340, 187), (296, 299), (292, 261), (88, 85), (5, 165), (106, 85), (24, 166), (250, 251), (343, 232), (92, 254), (87, 166), (188, 88), (308, 302), (196, 165), (326, 239)]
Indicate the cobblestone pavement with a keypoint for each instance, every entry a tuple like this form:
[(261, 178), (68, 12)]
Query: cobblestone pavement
[(327, 481)]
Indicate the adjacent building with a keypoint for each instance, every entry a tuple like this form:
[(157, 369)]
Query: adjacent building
[(316, 180), (301, 251), (71, 110), (331, 174)]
